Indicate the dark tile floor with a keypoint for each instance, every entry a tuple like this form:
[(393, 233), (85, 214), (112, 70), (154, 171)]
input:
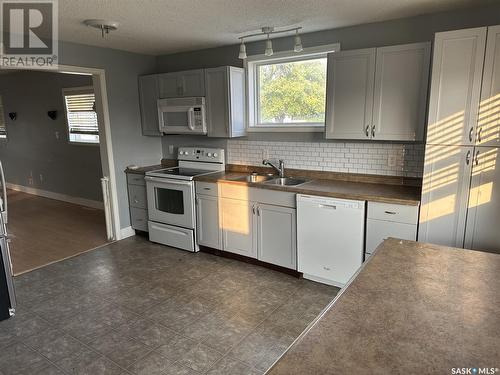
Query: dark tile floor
[(134, 307)]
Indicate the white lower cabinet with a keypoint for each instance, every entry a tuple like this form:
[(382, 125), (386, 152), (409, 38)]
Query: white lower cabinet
[(276, 233), (263, 231), (208, 229), (389, 220), (238, 227)]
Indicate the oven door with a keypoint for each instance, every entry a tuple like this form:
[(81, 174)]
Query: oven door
[(171, 201)]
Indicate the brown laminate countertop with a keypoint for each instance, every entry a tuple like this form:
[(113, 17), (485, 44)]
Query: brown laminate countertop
[(143, 170), (375, 192), (414, 308)]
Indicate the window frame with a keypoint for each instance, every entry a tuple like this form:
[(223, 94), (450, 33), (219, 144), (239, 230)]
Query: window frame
[(75, 91), (252, 64)]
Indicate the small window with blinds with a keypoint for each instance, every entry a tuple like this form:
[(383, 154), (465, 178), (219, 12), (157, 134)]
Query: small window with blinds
[(81, 116), (3, 130)]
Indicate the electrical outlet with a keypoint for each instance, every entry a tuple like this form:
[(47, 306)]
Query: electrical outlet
[(171, 149), (392, 161), (41, 178), (57, 134), (265, 154)]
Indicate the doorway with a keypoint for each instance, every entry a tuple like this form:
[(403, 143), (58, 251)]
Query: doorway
[(64, 203)]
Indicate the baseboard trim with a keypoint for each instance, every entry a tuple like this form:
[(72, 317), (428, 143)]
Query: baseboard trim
[(57, 196), (126, 232)]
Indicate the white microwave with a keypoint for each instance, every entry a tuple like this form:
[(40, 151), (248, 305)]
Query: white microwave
[(182, 115)]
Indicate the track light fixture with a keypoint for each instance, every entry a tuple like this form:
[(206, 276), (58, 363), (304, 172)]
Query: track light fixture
[(269, 30)]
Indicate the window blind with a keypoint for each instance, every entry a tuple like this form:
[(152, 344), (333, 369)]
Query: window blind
[(82, 118), (3, 131)]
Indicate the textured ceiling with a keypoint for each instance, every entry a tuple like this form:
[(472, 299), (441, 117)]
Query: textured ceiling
[(166, 26)]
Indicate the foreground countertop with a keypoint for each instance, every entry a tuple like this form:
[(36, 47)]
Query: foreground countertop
[(375, 192), (414, 308)]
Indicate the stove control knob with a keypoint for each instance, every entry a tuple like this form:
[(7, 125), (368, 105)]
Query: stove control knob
[(209, 154), (215, 155)]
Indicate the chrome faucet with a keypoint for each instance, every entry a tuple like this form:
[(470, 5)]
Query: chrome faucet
[(280, 169)]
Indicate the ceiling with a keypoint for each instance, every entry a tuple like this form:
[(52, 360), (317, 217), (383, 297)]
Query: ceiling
[(159, 27)]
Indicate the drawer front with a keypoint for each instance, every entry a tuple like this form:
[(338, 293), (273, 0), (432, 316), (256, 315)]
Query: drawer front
[(139, 218), (169, 235), (206, 188), (136, 179), (266, 196), (393, 212), (379, 230), (137, 196)]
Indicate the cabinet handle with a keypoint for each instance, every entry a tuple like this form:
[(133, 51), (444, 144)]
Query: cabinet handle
[(367, 130), (373, 131), (477, 157), (253, 209), (390, 212), (467, 158), (258, 211), (479, 135), (471, 132), (136, 200)]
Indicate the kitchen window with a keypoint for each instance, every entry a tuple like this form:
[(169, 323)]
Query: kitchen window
[(287, 91), (3, 130), (81, 116)]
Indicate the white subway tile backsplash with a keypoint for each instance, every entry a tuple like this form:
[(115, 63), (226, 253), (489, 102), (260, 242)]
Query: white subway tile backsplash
[(373, 158)]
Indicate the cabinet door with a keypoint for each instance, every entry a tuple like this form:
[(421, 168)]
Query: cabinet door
[(445, 193), (192, 83), (238, 223), (349, 94), (401, 80), (378, 230), (217, 100), (455, 87), (277, 239), (237, 100), (170, 85), (148, 96), (484, 201), (208, 230), (488, 132)]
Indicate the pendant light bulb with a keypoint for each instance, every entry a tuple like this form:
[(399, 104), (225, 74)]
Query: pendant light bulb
[(243, 51), (298, 43), (269, 47)]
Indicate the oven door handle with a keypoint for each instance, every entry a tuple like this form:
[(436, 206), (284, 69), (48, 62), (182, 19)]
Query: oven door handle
[(167, 181)]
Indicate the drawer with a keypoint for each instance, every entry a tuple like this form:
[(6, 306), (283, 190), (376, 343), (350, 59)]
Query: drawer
[(206, 188), (139, 218), (137, 196), (169, 235), (136, 179), (398, 213), (265, 196)]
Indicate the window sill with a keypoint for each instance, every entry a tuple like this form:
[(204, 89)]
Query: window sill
[(286, 129)]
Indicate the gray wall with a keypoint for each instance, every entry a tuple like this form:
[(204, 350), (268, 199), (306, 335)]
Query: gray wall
[(32, 148), (129, 146), (407, 30)]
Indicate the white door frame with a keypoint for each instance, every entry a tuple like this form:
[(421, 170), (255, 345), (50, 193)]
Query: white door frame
[(105, 143)]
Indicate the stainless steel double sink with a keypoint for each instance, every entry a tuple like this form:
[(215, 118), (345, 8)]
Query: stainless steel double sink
[(270, 180)]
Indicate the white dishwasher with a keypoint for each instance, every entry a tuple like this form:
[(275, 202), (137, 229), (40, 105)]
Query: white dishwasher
[(330, 238)]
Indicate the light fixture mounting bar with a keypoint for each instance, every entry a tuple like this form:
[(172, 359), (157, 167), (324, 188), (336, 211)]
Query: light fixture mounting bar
[(269, 31)]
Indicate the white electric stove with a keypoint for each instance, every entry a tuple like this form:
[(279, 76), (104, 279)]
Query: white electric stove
[(171, 196)]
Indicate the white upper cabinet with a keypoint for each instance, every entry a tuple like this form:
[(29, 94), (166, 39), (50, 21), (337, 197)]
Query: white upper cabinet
[(350, 83), (488, 127), (378, 93), (455, 86), (401, 81), (148, 99), (182, 84), (225, 89)]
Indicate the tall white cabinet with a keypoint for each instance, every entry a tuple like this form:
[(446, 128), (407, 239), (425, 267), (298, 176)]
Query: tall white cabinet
[(378, 93), (461, 187)]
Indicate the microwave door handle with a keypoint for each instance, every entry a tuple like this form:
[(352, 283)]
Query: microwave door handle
[(191, 119)]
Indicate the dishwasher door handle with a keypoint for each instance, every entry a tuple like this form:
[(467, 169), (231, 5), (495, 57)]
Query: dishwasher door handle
[(329, 206)]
